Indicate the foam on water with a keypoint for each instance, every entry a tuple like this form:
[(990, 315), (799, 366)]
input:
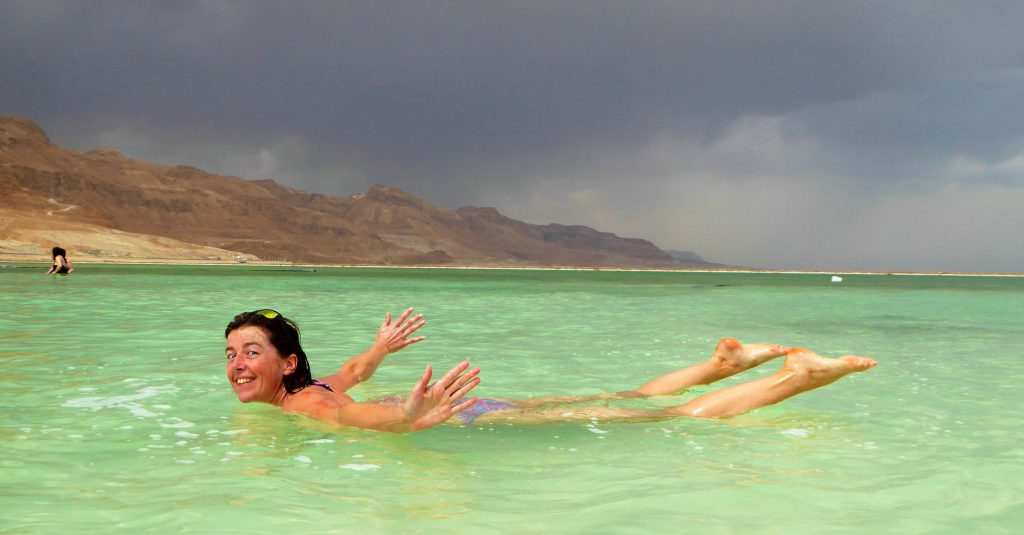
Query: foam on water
[(359, 467), (129, 402)]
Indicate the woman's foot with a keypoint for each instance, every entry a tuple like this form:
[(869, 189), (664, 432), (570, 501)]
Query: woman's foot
[(734, 357), (815, 370)]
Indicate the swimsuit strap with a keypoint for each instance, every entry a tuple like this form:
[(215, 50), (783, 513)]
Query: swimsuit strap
[(323, 384), (314, 383)]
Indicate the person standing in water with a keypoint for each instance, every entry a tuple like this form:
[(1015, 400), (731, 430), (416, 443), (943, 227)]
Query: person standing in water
[(61, 264), (266, 363)]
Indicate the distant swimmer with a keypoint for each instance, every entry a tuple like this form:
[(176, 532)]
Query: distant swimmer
[(266, 363), (61, 264)]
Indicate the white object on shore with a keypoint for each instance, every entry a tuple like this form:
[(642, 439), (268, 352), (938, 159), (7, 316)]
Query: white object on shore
[(837, 278)]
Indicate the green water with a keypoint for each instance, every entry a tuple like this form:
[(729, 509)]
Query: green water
[(116, 414)]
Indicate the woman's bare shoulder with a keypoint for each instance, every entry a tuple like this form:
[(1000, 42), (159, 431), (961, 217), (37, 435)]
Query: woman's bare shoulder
[(316, 402)]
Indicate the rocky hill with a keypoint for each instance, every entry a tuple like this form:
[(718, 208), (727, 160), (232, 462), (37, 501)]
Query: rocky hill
[(50, 195)]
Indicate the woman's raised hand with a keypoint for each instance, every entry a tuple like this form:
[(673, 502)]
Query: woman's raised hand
[(394, 336), (427, 406)]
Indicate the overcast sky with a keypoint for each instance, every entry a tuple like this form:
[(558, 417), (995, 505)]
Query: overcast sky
[(839, 135)]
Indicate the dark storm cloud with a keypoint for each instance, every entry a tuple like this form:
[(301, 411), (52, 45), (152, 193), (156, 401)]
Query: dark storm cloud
[(602, 113)]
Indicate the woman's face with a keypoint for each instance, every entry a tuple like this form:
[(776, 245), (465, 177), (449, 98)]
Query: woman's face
[(255, 367)]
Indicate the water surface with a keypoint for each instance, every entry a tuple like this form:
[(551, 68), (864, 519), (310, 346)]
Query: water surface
[(117, 415)]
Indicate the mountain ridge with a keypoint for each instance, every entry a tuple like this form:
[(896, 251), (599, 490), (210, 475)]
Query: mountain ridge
[(227, 216)]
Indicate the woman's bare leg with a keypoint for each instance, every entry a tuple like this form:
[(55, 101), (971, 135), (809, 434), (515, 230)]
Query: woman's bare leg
[(586, 413), (803, 370), (730, 357)]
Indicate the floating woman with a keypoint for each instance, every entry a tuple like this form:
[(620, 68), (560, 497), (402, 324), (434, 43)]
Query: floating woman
[(61, 264), (266, 363)]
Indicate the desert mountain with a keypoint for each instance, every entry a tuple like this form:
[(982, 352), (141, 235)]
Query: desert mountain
[(50, 195)]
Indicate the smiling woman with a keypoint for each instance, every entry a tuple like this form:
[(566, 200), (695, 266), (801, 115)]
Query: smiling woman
[(266, 363)]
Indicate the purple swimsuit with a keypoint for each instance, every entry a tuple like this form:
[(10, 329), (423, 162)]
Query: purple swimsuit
[(482, 406)]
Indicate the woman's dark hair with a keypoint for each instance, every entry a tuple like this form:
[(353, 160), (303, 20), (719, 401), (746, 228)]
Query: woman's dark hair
[(284, 336), (57, 251)]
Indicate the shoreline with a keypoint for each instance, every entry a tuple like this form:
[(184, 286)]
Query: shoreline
[(266, 263)]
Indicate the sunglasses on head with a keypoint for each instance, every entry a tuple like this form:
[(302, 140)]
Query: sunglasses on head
[(272, 314)]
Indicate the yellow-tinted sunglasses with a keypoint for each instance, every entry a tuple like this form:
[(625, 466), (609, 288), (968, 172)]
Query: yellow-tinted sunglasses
[(268, 313)]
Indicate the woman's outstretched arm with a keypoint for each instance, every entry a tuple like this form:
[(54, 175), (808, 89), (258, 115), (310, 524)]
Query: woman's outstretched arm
[(391, 337), (425, 407)]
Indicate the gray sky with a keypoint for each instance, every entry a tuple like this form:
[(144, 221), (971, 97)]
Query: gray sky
[(820, 135)]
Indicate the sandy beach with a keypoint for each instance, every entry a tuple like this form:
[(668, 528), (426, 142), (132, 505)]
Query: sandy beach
[(22, 257)]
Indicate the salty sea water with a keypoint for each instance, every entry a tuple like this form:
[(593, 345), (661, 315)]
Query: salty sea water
[(117, 417)]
